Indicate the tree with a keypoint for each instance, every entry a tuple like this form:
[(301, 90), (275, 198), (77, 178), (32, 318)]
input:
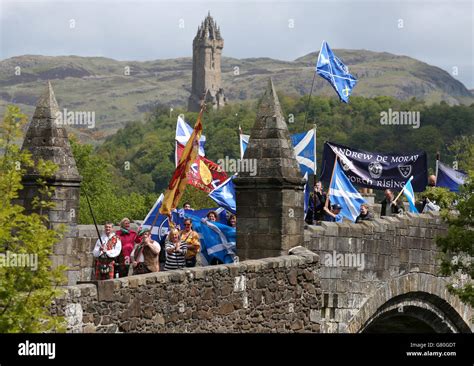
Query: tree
[(25, 291), (458, 245), (463, 148), (108, 200)]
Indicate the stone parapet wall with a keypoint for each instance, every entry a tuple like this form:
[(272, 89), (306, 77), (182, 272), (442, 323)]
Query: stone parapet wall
[(279, 294), (391, 247)]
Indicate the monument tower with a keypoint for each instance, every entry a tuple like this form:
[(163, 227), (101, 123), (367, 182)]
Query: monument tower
[(207, 51)]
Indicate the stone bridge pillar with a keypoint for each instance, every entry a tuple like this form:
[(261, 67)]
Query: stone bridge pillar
[(270, 202), (49, 141)]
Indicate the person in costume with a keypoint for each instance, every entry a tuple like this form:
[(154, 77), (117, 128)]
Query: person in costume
[(145, 255), (191, 238), (106, 251), (129, 238)]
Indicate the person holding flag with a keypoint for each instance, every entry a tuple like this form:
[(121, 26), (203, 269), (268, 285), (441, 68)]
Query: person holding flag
[(390, 205), (346, 199), (334, 214)]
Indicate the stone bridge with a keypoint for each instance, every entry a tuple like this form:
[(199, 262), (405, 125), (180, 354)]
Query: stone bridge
[(379, 276), (387, 281), (396, 287)]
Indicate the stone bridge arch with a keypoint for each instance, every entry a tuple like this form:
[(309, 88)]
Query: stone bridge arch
[(415, 301)]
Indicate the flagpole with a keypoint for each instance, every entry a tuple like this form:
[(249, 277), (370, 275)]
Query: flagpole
[(403, 189), (309, 99), (93, 218), (437, 166), (155, 219), (240, 142), (314, 172), (330, 183), (314, 151)]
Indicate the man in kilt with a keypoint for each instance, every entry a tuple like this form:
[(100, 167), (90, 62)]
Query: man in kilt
[(106, 250)]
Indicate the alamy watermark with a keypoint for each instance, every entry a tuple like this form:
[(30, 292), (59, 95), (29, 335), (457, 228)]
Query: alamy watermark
[(230, 165), (76, 118), (354, 260), (11, 259), (390, 117)]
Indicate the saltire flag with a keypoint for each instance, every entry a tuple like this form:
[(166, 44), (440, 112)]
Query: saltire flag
[(178, 181), (217, 240), (449, 178), (202, 213), (344, 193), (183, 133), (305, 149), (306, 194), (331, 68), (160, 224), (224, 195), (244, 141), (410, 195), (204, 174)]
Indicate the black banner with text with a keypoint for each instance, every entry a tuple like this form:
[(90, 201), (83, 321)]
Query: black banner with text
[(376, 170)]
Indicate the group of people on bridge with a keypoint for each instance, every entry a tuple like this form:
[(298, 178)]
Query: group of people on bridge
[(117, 253), (320, 209)]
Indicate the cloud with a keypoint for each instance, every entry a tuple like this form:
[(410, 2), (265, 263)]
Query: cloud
[(437, 32)]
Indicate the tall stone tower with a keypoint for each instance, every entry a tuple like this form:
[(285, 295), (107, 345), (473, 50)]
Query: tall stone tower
[(270, 204), (207, 51), (47, 140)]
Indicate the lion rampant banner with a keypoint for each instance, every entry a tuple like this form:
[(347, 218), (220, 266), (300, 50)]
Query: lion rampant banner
[(203, 174), (178, 181), (376, 170)]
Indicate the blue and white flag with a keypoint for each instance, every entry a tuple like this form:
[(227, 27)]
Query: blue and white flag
[(305, 149), (450, 178), (182, 214), (224, 195), (217, 240), (183, 133), (410, 195), (306, 194), (161, 227), (244, 141), (344, 193), (331, 68)]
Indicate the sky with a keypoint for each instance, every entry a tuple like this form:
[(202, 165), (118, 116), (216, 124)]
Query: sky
[(438, 32)]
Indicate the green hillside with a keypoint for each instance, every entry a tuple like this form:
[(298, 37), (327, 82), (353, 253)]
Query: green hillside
[(99, 84)]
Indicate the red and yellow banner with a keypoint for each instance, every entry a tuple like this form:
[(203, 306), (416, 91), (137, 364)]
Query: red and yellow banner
[(203, 174), (179, 179)]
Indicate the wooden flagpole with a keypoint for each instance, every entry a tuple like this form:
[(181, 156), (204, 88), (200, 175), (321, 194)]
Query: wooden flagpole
[(330, 183), (403, 189)]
